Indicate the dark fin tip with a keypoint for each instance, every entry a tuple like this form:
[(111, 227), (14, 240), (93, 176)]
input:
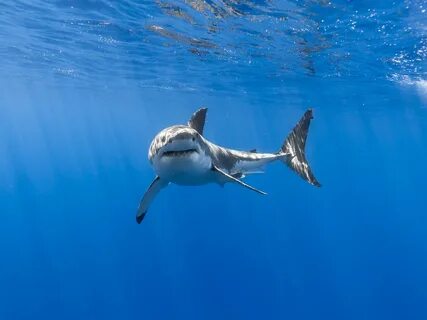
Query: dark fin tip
[(309, 113), (141, 217)]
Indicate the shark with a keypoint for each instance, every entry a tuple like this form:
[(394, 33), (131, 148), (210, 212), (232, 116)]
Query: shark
[(181, 154)]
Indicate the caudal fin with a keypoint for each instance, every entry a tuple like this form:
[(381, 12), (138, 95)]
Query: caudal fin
[(294, 149)]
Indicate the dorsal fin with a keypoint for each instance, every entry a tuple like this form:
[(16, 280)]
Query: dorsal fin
[(197, 121)]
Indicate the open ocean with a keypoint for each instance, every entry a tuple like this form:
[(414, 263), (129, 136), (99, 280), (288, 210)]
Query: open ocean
[(86, 85)]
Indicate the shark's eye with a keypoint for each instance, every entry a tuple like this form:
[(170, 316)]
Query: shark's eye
[(194, 139)]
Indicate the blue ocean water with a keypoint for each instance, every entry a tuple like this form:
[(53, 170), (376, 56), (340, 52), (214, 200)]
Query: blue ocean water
[(86, 85)]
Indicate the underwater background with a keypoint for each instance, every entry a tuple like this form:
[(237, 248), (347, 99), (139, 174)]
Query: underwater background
[(86, 85)]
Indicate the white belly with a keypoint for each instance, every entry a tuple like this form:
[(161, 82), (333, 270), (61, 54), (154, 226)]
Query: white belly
[(192, 169)]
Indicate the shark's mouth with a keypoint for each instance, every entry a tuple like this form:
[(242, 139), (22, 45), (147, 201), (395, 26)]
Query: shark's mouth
[(180, 153)]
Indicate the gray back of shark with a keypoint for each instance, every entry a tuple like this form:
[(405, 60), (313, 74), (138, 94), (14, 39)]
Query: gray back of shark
[(180, 154)]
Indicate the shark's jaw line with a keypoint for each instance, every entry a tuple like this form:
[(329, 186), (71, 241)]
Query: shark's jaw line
[(179, 153)]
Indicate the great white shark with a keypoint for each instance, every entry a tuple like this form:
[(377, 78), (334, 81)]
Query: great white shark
[(182, 155)]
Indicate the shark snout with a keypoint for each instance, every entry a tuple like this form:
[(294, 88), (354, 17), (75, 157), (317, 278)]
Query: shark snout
[(184, 135), (171, 140)]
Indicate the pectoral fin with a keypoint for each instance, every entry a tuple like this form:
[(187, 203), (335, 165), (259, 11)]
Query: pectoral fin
[(148, 197), (231, 178)]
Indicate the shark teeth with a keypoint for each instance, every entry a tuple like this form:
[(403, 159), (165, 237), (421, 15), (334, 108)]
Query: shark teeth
[(179, 153)]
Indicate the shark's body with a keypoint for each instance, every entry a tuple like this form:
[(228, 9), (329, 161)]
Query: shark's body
[(181, 155)]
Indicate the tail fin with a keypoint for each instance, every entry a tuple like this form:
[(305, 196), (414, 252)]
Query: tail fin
[(294, 149)]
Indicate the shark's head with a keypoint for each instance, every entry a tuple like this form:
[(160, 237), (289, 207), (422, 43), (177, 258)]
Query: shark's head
[(175, 142), (181, 155)]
